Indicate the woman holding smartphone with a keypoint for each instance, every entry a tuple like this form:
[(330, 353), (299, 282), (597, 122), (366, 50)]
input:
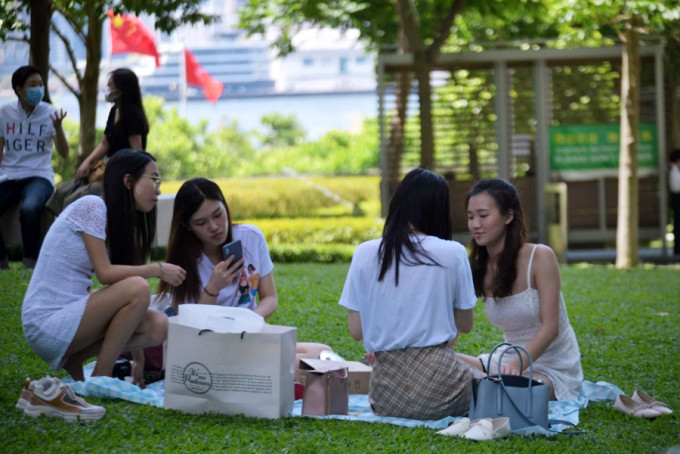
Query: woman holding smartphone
[(200, 233), (201, 228)]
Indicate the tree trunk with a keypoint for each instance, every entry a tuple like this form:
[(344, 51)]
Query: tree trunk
[(673, 119), (422, 70), (87, 99), (41, 14), (423, 59), (395, 141), (672, 78), (627, 221)]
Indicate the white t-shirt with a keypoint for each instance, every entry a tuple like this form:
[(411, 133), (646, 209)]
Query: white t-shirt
[(417, 313), (29, 140), (674, 178), (256, 264)]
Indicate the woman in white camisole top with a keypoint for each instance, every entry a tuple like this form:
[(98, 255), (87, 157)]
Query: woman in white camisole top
[(520, 286)]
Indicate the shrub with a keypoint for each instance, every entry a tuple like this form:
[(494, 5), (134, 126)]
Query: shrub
[(316, 253), (288, 197), (338, 230)]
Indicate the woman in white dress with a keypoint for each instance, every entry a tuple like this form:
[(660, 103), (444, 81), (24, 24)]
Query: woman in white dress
[(520, 285), (65, 323)]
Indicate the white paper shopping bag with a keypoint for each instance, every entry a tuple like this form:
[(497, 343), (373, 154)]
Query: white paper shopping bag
[(220, 319), (230, 373)]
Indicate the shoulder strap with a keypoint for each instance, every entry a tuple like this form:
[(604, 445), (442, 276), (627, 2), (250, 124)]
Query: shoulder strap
[(531, 261), (552, 422)]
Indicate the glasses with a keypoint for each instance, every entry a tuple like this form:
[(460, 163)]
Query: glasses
[(156, 180)]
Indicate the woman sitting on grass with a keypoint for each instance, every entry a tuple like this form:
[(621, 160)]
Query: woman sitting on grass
[(410, 295), (201, 225), (63, 322), (520, 285)]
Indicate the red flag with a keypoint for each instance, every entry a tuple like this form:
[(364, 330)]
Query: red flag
[(129, 34), (196, 75)]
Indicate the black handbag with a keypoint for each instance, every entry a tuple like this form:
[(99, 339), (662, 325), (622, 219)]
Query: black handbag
[(522, 399)]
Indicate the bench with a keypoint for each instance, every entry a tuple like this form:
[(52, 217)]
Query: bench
[(11, 228)]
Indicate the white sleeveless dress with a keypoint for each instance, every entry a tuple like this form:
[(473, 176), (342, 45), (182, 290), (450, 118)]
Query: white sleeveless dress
[(518, 316)]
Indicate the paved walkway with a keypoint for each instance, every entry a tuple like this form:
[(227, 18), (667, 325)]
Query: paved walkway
[(650, 255)]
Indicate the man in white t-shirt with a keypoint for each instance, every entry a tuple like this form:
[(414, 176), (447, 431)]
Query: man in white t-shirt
[(28, 129), (674, 186)]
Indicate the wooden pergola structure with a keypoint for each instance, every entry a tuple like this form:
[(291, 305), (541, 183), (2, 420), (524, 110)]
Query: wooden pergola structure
[(538, 67)]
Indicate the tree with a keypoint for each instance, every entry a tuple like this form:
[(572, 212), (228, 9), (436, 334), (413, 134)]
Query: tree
[(629, 19), (420, 27), (281, 130), (86, 18), (378, 25), (421, 30), (41, 15), (39, 39)]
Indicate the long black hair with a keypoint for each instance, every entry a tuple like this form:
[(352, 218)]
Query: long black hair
[(506, 198), (184, 247), (131, 107), (674, 155), (421, 203), (129, 231)]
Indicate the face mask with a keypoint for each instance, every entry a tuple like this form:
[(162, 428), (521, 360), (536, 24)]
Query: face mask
[(34, 95), (111, 95)]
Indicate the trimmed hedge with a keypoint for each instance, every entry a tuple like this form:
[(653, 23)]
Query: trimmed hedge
[(300, 196), (317, 253), (331, 230), (325, 240), (293, 253), (304, 219)]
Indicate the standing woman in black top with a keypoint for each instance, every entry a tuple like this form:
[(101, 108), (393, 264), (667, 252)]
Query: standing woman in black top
[(127, 126)]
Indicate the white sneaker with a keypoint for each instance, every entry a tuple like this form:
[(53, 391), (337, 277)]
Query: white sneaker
[(49, 396), (27, 391)]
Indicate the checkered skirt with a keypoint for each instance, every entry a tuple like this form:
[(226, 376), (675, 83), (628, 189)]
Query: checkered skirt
[(426, 383)]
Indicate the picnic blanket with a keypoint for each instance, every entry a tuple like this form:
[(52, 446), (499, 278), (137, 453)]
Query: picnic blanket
[(359, 408)]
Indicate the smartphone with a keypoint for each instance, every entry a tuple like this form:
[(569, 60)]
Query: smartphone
[(234, 248)]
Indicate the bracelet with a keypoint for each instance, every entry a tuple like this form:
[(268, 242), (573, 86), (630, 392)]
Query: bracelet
[(161, 275), (214, 295)]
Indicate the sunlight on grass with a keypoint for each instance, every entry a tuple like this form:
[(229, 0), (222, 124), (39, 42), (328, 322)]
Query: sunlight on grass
[(624, 322)]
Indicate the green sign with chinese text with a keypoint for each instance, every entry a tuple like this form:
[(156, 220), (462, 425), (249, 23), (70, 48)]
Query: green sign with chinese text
[(596, 147)]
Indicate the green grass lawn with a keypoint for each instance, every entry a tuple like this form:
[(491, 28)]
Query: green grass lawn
[(627, 325)]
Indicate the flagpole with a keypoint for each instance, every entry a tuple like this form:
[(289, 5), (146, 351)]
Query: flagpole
[(109, 48), (108, 62), (183, 82)]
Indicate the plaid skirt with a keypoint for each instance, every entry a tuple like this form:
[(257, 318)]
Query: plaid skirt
[(426, 383)]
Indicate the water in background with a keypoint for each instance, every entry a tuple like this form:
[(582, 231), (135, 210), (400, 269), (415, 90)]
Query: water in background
[(317, 114)]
